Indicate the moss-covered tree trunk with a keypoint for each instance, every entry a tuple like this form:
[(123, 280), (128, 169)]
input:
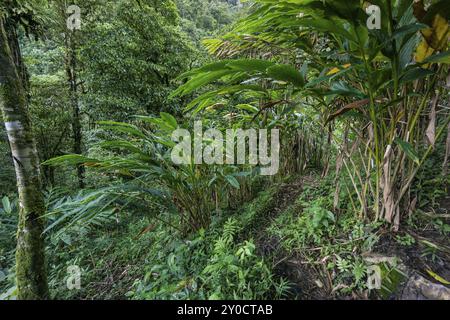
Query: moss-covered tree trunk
[(30, 259)]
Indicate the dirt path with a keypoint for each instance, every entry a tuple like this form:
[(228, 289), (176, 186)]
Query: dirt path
[(302, 277), (285, 197)]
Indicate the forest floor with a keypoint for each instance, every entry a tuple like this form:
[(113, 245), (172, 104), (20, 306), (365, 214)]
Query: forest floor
[(117, 258), (428, 254)]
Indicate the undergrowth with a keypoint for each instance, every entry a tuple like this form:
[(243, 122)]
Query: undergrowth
[(212, 264)]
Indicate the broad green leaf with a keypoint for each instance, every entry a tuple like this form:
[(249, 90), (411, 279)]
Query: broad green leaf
[(407, 51), (343, 89), (233, 181), (210, 97), (215, 66), (415, 74), (151, 120), (408, 29), (250, 65), (122, 127), (334, 27), (443, 57), (286, 73), (169, 119), (408, 149), (201, 80), (6, 205)]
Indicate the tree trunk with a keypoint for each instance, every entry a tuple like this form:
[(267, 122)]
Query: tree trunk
[(30, 259), (71, 64)]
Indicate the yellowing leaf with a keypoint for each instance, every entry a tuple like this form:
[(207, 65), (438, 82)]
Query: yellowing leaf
[(440, 33), (336, 69), (427, 33), (333, 71), (423, 51), (435, 38), (438, 277)]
